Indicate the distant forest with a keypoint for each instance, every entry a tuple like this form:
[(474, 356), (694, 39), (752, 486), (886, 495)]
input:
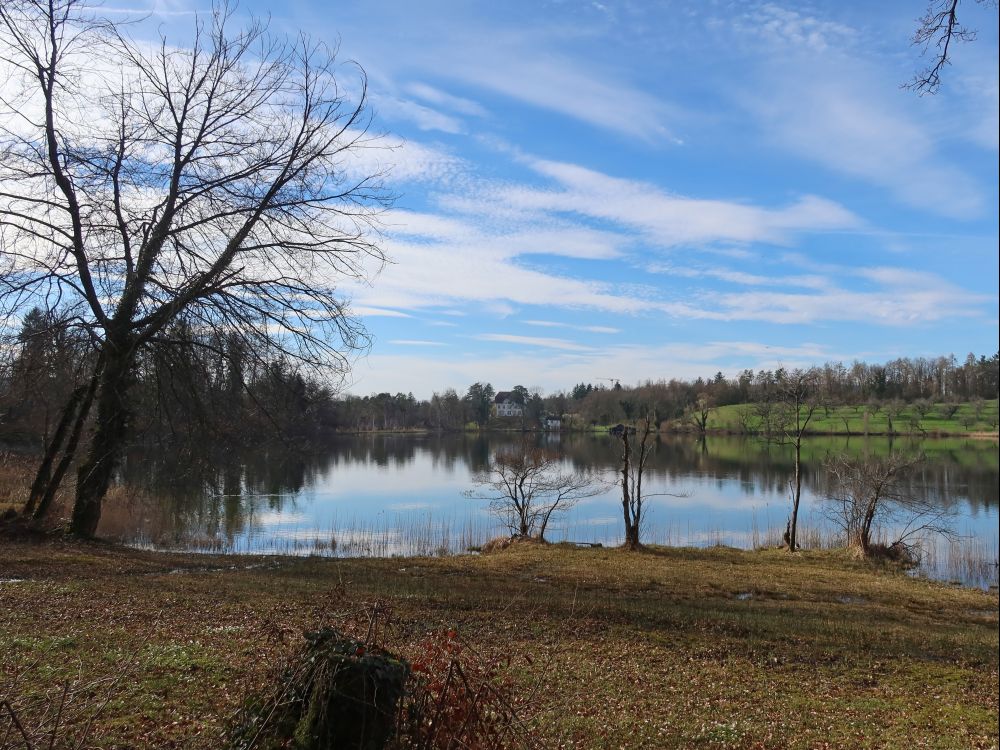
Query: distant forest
[(200, 387)]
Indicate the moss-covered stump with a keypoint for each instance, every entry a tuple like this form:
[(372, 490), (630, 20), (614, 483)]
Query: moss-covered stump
[(339, 694)]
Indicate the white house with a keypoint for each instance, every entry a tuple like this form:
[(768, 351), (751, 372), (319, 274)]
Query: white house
[(507, 406)]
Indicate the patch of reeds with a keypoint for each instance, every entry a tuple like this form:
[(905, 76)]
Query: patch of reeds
[(135, 518)]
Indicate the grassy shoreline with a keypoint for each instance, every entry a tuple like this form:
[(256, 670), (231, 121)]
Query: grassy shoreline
[(667, 648)]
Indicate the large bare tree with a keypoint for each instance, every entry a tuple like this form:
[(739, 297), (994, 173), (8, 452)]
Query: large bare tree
[(222, 182)]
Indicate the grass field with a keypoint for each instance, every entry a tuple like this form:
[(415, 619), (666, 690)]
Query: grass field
[(606, 649), (968, 418)]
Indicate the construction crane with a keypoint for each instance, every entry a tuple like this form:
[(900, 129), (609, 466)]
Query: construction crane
[(616, 381)]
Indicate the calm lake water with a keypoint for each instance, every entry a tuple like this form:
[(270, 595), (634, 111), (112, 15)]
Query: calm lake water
[(406, 495)]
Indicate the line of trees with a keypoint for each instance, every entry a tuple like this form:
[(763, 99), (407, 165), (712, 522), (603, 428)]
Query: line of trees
[(198, 382)]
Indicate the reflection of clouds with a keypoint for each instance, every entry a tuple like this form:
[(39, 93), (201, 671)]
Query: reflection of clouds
[(405, 497), (597, 521), (274, 517), (693, 494)]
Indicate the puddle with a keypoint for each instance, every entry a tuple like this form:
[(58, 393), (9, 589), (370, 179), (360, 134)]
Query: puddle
[(852, 600), (218, 568), (11, 580), (744, 595), (991, 613)]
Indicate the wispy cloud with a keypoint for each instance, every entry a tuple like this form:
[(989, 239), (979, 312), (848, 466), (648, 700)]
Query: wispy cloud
[(514, 65), (378, 312), (536, 341), (671, 220), (832, 101), (448, 101), (558, 369), (489, 234), (588, 329)]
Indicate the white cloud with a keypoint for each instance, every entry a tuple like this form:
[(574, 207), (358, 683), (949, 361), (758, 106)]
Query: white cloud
[(446, 100), (588, 329), (672, 220), (405, 161), (477, 251), (845, 126), (537, 341), (378, 312), (820, 90), (566, 86), (558, 369), (892, 307), (774, 24), (742, 278), (529, 66), (424, 117)]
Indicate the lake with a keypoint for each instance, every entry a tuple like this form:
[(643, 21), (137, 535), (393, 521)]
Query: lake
[(406, 494)]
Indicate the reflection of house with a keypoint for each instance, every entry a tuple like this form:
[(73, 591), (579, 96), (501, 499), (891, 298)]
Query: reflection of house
[(507, 406), (552, 423)]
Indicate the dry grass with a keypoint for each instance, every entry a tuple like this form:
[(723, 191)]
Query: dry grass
[(16, 475), (666, 648)]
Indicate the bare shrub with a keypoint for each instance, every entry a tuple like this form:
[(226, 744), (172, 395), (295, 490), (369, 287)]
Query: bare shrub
[(460, 698), (62, 716), (526, 486), (871, 494)]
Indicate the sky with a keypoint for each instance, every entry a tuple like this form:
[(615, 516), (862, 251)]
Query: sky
[(633, 190)]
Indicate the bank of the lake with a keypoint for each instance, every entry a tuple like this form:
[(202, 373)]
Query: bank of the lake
[(669, 648)]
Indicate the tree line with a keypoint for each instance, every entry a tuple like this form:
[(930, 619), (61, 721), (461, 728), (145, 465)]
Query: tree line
[(199, 384)]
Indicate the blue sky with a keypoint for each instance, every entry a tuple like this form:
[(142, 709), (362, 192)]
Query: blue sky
[(641, 190)]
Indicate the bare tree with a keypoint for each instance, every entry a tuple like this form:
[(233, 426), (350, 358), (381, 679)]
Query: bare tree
[(635, 454), (219, 182), (870, 493), (749, 420), (764, 411), (846, 416), (948, 411), (700, 411), (795, 400), (939, 28), (893, 411), (526, 486)]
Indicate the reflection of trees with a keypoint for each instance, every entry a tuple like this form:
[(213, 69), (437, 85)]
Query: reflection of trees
[(209, 494), (216, 494)]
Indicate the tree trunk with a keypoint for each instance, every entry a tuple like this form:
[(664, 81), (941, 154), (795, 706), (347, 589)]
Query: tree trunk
[(865, 533), (110, 432), (70, 452), (797, 494), (44, 475), (631, 527)]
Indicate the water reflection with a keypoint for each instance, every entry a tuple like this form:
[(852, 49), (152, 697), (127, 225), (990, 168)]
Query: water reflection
[(402, 494)]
